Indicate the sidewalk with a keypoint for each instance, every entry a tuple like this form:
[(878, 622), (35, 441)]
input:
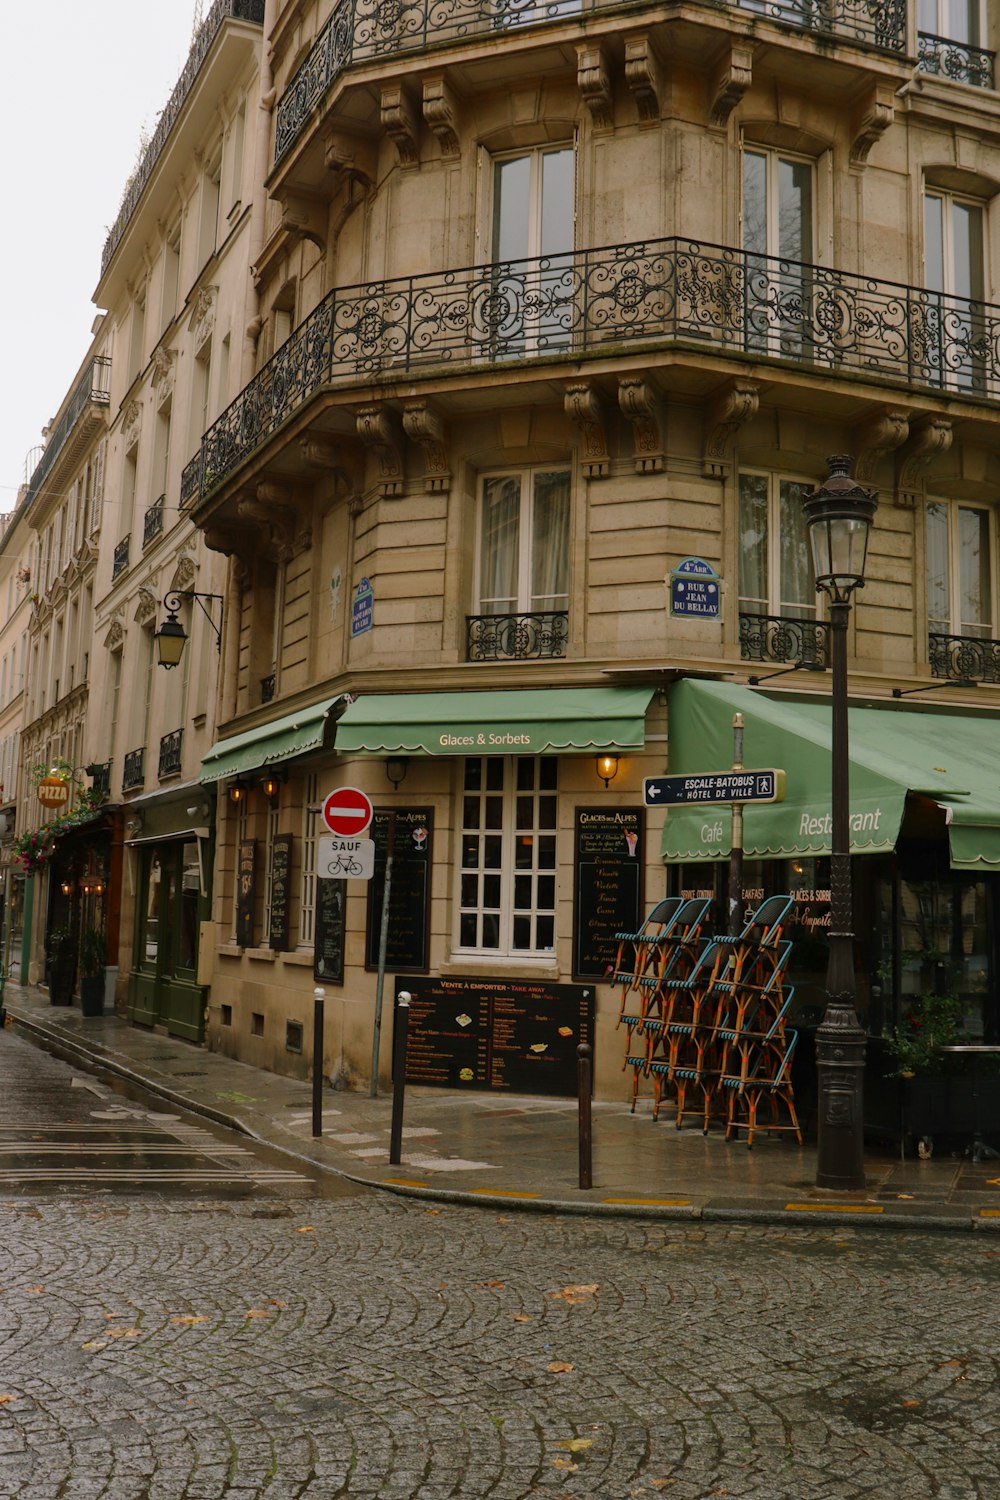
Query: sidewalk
[(516, 1151)]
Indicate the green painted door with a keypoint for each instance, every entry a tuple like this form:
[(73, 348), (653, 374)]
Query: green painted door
[(163, 987)]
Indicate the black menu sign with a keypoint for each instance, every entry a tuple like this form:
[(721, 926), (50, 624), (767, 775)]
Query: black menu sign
[(499, 1034), (607, 884), (281, 866), (328, 948), (246, 891), (409, 890)]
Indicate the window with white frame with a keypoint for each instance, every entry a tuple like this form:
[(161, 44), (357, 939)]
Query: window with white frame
[(310, 833), (775, 561), (960, 572), (957, 20), (778, 223), (954, 266), (507, 876), (524, 541), (531, 238)]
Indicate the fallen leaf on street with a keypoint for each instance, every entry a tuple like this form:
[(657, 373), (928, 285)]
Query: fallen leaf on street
[(575, 1445), (576, 1294), (432, 1211), (305, 1229), (36, 1289), (259, 1312), (500, 1284), (908, 1196), (277, 1302), (911, 1405), (558, 1367), (4, 1399), (90, 1344), (124, 1333), (953, 1364), (187, 1319), (565, 1463), (522, 1318)]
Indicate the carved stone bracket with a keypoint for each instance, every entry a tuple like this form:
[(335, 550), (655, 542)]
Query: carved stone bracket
[(203, 316), (594, 82), (882, 432), (584, 404), (871, 122), (642, 74), (164, 367), (929, 437), (376, 429), (286, 531), (184, 573), (131, 422), (351, 153), (400, 121), (442, 115), (423, 425), (643, 406), (304, 218), (233, 541), (145, 606), (115, 637), (733, 405), (730, 82)]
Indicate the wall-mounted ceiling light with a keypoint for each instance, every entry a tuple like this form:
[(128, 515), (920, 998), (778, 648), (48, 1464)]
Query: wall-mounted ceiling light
[(395, 770), (607, 768), (237, 792)]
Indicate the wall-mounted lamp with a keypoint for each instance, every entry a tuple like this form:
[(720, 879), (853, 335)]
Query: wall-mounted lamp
[(67, 887), (171, 637), (238, 792), (270, 785), (607, 768), (395, 770)]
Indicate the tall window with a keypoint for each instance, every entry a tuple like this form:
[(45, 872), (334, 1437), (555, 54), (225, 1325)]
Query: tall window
[(775, 562), (958, 20), (507, 897), (532, 217), (778, 223), (959, 570), (524, 542), (954, 260)]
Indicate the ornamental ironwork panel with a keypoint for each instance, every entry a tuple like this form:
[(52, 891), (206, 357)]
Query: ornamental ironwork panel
[(782, 638), (133, 769), (191, 479), (94, 386), (964, 656), (100, 778), (170, 753), (359, 30), (120, 560), (267, 685), (957, 60), (152, 521), (564, 307), (517, 637)]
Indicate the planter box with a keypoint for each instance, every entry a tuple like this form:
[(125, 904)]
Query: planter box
[(92, 994)]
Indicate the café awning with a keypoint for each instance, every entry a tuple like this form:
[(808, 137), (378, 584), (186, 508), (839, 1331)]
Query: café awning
[(516, 721), (267, 744), (952, 759)]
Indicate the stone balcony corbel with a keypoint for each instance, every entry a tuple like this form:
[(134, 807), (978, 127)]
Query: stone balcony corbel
[(882, 433), (442, 114), (642, 404), (584, 404), (376, 428), (593, 79), (730, 81), (929, 437), (351, 153), (644, 77), (272, 510), (423, 425), (401, 121), (730, 408), (871, 121)]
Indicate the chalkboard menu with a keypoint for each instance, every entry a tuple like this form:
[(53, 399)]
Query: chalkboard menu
[(498, 1034), (281, 866), (409, 890), (607, 884), (328, 949), (246, 891)]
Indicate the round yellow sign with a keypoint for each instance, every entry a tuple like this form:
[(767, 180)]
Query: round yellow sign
[(52, 792)]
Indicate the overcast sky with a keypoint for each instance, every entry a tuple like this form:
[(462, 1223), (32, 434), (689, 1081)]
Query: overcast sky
[(82, 79)]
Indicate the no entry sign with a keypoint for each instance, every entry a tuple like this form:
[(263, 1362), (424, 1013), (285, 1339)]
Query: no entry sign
[(347, 811)]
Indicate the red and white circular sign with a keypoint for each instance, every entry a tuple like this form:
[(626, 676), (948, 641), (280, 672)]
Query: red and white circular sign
[(347, 812)]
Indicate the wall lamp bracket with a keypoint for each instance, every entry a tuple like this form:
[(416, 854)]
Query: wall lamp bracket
[(801, 666), (171, 637), (934, 687)]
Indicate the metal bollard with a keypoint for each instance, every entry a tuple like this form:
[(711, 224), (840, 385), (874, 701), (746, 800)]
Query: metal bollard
[(401, 1025), (319, 998), (584, 1071)]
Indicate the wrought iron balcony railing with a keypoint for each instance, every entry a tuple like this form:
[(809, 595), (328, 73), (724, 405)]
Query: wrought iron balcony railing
[(119, 561), (152, 521), (522, 637), (133, 769), (100, 778), (359, 30), (958, 60), (267, 686), (588, 302), (240, 10), (191, 479), (784, 639), (94, 385), (974, 658), (170, 753)]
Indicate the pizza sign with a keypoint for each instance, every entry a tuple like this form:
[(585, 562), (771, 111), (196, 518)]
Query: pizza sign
[(53, 791)]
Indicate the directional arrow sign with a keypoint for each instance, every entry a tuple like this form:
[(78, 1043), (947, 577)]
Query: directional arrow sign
[(722, 786)]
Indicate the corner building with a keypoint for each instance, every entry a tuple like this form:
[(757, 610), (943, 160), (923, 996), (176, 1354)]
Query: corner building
[(559, 311)]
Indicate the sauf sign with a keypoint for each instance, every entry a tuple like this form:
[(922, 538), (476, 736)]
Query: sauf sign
[(347, 855)]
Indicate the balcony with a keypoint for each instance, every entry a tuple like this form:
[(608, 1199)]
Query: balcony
[(956, 60), (527, 637), (267, 686), (100, 778), (120, 560), (964, 657), (239, 10), (191, 479), (359, 30), (152, 521), (133, 769), (592, 303), (94, 386), (784, 640), (170, 754)]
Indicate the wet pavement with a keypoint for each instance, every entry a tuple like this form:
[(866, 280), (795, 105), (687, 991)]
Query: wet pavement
[(517, 1151)]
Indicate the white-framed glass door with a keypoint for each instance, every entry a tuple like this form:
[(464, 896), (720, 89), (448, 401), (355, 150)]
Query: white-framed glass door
[(960, 573), (531, 251), (507, 862), (778, 238), (954, 270)]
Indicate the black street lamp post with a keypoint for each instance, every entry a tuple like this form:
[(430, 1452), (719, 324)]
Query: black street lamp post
[(839, 515)]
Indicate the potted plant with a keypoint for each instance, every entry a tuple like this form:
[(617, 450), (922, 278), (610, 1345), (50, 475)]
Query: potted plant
[(932, 1101), (93, 956), (930, 1025), (60, 950)]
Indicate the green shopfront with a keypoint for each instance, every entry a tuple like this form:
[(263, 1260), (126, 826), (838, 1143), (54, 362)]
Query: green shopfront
[(925, 825)]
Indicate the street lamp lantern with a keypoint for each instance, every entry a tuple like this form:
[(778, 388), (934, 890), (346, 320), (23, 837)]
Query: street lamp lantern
[(839, 514), (171, 638)]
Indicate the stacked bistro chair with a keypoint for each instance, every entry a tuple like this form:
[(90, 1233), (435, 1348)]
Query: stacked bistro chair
[(714, 1028), (667, 944)]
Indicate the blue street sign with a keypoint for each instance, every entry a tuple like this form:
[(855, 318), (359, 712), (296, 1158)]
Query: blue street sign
[(722, 786), (694, 589), (362, 608)]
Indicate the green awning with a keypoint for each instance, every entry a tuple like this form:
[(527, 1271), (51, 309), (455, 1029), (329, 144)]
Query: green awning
[(953, 759), (506, 722), (281, 739)]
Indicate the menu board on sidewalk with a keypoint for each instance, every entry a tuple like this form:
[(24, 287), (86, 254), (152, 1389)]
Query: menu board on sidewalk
[(609, 859), (497, 1034), (246, 891), (281, 865), (409, 890), (328, 948)]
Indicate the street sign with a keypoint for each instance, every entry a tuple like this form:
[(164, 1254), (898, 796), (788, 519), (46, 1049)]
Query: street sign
[(722, 786), (694, 589), (362, 608), (345, 859), (347, 811)]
